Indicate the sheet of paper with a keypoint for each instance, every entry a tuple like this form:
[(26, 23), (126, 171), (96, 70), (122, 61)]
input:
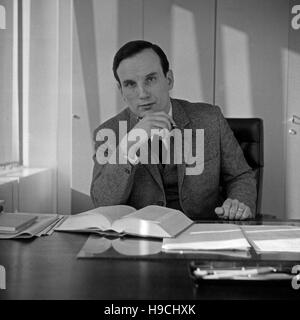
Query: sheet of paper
[(273, 238), (278, 245), (212, 236)]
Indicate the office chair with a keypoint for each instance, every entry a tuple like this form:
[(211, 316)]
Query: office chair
[(1, 205), (249, 133)]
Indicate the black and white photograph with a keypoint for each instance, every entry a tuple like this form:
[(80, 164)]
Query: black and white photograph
[(149, 153)]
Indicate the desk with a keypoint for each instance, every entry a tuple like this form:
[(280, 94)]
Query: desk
[(47, 268)]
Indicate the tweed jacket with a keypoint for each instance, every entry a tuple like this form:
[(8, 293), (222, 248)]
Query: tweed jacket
[(141, 184)]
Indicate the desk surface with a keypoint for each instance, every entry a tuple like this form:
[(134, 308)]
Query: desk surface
[(47, 268)]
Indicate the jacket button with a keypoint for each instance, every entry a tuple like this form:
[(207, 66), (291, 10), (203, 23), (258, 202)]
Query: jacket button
[(127, 170), (160, 203)]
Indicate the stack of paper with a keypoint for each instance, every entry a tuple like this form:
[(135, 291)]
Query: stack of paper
[(273, 238), (13, 223), (39, 224), (208, 236)]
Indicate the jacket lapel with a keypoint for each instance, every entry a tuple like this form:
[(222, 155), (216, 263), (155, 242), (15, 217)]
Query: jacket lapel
[(182, 120)]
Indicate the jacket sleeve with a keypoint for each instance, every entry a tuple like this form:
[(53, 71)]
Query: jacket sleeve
[(111, 182), (238, 178)]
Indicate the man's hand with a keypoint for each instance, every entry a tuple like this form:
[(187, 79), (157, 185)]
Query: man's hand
[(155, 120), (151, 120), (233, 210)]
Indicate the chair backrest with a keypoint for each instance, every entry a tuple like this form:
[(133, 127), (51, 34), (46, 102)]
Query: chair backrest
[(249, 132)]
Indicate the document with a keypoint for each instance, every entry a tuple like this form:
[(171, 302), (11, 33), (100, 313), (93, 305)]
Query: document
[(273, 238), (151, 221), (14, 222), (42, 225), (208, 236)]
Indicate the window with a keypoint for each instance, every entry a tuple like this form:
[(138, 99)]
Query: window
[(9, 84)]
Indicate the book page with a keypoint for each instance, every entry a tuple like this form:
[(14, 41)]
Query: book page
[(100, 218), (150, 213), (111, 213), (153, 221), (278, 245)]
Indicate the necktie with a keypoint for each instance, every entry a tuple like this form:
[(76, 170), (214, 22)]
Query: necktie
[(158, 148), (162, 152)]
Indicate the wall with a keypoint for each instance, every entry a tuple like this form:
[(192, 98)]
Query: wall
[(185, 30), (64, 113), (251, 64), (292, 154)]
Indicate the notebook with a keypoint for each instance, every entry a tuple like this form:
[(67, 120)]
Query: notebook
[(15, 222)]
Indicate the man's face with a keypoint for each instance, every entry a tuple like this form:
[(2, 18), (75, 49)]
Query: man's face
[(144, 87)]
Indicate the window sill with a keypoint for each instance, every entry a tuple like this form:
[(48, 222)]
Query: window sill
[(20, 172)]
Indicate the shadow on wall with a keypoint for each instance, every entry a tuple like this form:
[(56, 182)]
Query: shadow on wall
[(252, 38), (85, 104), (185, 31), (84, 15)]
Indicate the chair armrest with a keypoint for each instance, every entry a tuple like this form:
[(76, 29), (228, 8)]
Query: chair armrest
[(1, 205)]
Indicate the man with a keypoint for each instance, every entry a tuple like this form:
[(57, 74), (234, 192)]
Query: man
[(144, 79)]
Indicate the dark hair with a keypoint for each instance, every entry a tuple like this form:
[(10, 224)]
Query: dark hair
[(132, 48)]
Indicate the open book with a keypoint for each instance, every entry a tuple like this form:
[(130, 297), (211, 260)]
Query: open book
[(151, 221)]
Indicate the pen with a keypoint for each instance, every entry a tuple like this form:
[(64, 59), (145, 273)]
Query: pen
[(239, 273), (173, 124)]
